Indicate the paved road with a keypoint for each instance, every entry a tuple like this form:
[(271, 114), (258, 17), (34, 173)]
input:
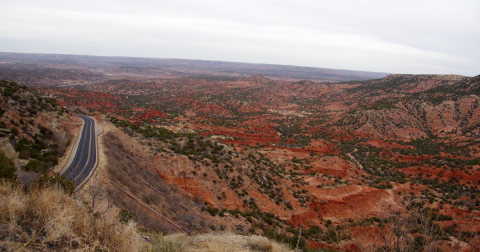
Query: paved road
[(86, 155)]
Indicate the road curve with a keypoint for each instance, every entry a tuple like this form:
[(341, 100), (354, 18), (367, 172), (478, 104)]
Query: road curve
[(86, 154)]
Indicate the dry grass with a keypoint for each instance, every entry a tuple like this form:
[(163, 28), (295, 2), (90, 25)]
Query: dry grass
[(48, 219), (225, 242)]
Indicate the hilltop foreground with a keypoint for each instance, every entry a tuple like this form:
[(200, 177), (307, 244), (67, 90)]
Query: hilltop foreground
[(48, 219)]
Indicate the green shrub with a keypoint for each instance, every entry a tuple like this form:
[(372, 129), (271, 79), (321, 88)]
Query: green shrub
[(125, 216), (444, 217), (14, 131), (56, 180), (211, 210), (7, 168), (36, 166)]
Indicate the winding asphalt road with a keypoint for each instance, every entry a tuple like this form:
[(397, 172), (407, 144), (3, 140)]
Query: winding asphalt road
[(86, 154)]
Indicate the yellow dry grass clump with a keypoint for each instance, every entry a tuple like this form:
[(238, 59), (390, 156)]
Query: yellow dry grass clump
[(48, 219), (218, 242)]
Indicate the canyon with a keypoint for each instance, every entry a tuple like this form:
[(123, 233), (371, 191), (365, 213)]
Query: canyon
[(257, 149)]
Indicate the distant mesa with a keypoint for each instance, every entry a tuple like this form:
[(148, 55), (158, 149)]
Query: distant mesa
[(71, 68), (257, 78)]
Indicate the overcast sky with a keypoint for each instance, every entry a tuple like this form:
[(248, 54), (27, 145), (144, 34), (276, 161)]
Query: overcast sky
[(408, 36)]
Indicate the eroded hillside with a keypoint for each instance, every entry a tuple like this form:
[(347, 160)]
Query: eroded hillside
[(274, 157), (35, 131)]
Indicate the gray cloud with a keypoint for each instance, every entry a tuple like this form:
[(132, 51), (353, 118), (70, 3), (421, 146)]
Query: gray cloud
[(408, 36)]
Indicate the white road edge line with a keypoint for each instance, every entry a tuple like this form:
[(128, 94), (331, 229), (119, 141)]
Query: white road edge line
[(73, 151), (98, 131)]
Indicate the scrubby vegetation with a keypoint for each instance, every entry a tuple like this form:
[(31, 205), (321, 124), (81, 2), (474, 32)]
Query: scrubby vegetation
[(32, 137), (297, 148), (7, 169)]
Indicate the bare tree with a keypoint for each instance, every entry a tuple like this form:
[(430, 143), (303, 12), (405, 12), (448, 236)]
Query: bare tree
[(63, 140), (393, 232), (429, 229), (461, 223), (412, 229), (100, 201), (191, 222), (474, 243), (367, 238)]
